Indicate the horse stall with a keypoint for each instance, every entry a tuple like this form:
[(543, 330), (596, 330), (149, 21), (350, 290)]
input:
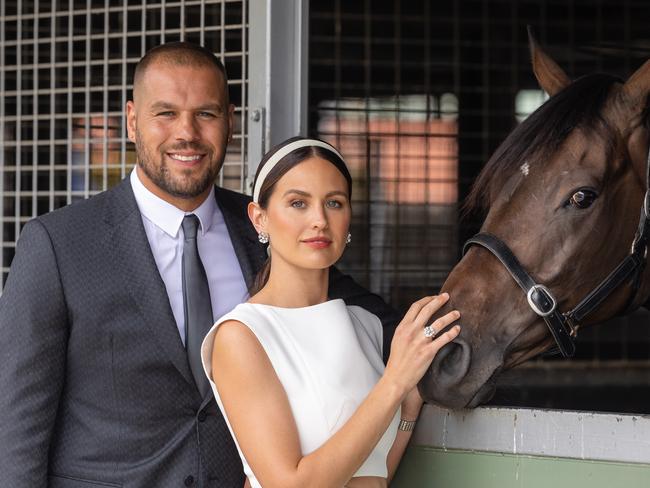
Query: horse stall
[(519, 447)]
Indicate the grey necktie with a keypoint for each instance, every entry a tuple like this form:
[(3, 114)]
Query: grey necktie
[(196, 302)]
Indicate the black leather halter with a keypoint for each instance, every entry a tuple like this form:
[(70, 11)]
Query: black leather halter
[(564, 326)]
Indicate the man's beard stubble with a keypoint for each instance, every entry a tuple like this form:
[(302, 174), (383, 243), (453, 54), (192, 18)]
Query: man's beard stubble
[(181, 187)]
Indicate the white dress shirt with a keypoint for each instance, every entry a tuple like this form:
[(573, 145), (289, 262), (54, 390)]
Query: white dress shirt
[(162, 224)]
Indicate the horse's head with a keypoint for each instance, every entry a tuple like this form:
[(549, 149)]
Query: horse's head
[(563, 192)]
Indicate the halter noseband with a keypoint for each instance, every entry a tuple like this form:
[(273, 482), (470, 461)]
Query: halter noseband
[(564, 326)]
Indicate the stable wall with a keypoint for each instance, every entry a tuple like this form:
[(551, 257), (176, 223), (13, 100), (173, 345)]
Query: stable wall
[(506, 447)]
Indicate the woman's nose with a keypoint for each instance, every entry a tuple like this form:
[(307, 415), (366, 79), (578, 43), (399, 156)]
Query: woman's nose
[(319, 218)]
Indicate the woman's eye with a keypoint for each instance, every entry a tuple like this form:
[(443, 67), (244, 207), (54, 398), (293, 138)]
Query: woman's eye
[(334, 204), (298, 204), (583, 198)]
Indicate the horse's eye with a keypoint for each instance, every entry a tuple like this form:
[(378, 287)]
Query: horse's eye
[(583, 198)]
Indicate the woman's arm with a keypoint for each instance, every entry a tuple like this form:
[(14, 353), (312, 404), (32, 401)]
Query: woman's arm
[(260, 414), (410, 411)]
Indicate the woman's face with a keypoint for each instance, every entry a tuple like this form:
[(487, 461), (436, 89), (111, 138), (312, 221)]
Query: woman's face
[(308, 215)]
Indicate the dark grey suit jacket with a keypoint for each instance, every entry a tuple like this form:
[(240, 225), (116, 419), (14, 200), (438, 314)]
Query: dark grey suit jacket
[(95, 387)]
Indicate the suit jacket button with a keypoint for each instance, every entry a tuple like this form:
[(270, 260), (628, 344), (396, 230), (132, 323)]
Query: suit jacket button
[(202, 416), (189, 481)]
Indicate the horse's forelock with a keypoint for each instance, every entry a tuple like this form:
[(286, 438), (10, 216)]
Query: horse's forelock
[(542, 134)]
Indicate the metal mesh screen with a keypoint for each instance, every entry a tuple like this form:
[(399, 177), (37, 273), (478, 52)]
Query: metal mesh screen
[(66, 69), (384, 91), (387, 76)]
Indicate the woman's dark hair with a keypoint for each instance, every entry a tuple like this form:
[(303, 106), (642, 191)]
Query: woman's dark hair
[(294, 158)]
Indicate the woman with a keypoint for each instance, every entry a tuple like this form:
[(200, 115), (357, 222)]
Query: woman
[(300, 379)]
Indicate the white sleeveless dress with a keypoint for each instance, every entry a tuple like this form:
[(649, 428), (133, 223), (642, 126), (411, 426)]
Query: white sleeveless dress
[(328, 357)]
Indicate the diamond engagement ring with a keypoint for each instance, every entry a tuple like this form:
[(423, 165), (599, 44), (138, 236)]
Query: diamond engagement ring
[(429, 332)]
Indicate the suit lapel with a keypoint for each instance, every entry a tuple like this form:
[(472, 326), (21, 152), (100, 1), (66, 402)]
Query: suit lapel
[(250, 253), (136, 265)]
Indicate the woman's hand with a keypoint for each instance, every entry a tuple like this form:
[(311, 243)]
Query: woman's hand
[(411, 351)]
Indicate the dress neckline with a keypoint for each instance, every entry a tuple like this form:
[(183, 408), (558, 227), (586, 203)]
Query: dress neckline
[(334, 301)]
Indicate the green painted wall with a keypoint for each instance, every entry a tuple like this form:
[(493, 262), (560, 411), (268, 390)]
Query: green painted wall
[(437, 468)]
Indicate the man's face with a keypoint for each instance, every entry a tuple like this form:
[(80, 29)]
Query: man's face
[(181, 123)]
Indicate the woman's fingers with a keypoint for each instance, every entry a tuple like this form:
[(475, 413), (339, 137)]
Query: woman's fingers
[(414, 346), (441, 322), (431, 307), (445, 338), (416, 307)]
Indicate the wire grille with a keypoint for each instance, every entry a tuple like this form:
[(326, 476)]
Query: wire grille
[(66, 69), (385, 93)]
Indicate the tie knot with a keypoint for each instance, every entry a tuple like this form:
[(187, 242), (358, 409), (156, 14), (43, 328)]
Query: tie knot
[(190, 226)]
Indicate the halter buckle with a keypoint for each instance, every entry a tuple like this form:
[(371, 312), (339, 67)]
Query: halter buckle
[(634, 246), (541, 300), (573, 326)]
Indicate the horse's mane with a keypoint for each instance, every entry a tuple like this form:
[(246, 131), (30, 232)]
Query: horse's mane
[(541, 134)]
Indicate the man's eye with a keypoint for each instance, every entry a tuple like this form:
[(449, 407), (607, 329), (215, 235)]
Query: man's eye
[(165, 114), (207, 115), (298, 204)]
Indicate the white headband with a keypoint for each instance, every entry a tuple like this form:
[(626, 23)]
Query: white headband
[(281, 153)]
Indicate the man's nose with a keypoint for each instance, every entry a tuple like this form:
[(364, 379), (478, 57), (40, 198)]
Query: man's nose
[(187, 129)]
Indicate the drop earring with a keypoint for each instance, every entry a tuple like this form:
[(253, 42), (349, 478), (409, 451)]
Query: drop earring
[(263, 237), (348, 239)]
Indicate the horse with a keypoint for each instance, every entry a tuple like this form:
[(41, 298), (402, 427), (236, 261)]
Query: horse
[(565, 237)]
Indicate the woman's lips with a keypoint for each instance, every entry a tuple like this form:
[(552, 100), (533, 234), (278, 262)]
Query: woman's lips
[(317, 243)]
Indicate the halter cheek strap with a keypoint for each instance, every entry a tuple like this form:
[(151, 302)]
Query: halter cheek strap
[(540, 299), (281, 153), (564, 326)]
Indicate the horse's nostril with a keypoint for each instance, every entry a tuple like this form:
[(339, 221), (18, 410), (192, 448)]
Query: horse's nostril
[(448, 369), (450, 359), (451, 363)]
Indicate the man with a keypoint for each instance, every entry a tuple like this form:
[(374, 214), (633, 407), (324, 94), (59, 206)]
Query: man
[(98, 327)]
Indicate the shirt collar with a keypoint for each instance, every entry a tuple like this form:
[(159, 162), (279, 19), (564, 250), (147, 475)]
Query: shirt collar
[(166, 216)]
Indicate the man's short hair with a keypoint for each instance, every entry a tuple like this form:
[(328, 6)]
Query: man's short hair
[(179, 54)]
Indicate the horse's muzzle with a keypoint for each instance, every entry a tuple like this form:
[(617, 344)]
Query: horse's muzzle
[(448, 370)]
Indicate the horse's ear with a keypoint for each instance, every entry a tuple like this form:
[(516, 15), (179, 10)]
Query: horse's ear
[(636, 91), (637, 87), (549, 75)]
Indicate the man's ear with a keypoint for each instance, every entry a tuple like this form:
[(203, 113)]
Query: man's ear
[(130, 120), (231, 119), (257, 216)]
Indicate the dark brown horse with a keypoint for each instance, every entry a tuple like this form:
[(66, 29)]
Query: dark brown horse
[(564, 193)]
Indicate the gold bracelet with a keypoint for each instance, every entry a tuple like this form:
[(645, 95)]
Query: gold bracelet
[(406, 425)]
